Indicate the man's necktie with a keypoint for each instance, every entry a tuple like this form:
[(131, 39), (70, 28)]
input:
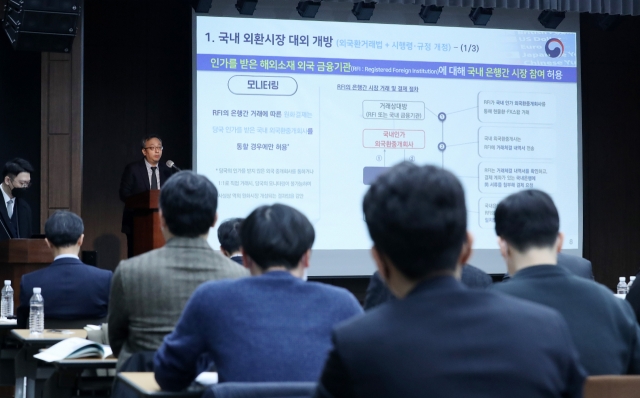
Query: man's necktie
[(10, 208), (154, 179)]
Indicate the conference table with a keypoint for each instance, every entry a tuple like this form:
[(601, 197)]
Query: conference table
[(145, 385), (26, 366), (69, 378)]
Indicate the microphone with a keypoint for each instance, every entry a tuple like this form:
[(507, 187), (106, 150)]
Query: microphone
[(172, 165)]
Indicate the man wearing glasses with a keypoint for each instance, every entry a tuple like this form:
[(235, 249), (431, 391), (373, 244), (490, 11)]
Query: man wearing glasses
[(15, 215), (140, 176)]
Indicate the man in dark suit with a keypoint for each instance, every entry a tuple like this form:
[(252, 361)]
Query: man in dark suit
[(71, 289), (603, 327), (140, 176), (15, 213), (441, 339), (576, 265), (378, 293), (229, 238)]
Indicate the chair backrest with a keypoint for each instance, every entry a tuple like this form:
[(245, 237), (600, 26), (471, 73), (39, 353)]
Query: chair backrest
[(261, 390), (612, 387)]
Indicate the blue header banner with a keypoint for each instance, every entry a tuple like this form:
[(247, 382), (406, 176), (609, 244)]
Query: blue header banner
[(366, 67)]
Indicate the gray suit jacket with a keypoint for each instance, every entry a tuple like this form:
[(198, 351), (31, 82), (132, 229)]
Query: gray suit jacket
[(149, 291)]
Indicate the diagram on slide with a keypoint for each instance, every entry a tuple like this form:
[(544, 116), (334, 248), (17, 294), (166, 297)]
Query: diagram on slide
[(510, 154)]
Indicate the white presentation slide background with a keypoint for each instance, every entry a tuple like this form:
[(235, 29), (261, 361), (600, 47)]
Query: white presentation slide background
[(341, 247)]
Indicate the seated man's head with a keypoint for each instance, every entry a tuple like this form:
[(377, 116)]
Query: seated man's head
[(188, 204), (16, 177), (276, 237), (417, 220), (229, 237), (527, 226), (64, 232)]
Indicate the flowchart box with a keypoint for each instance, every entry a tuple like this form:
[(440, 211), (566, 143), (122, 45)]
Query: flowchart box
[(393, 110), (487, 212), (529, 108), (516, 143), (509, 177), (393, 138)]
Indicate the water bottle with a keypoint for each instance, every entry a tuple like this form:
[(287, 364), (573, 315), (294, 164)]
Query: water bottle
[(622, 285), (6, 304), (36, 314), (631, 280)]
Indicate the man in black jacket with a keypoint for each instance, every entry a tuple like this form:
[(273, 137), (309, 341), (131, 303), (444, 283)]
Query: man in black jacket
[(15, 213), (603, 327), (441, 339), (140, 176), (378, 293)]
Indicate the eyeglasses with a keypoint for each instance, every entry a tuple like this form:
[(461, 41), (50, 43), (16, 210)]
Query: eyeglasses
[(155, 148)]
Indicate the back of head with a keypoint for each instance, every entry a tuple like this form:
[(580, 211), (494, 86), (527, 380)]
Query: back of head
[(229, 235), (528, 219), (16, 166), (417, 217), (188, 202), (63, 228), (276, 235)]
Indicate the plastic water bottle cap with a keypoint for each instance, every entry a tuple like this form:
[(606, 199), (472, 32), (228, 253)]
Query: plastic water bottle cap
[(622, 279), (6, 283), (37, 290)]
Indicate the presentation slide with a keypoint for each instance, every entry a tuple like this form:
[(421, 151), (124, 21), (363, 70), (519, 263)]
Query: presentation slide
[(309, 113)]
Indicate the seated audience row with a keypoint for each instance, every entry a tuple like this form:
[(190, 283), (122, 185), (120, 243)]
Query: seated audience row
[(429, 335)]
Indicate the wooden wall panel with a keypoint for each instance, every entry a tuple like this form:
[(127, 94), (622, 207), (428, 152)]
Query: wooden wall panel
[(59, 171), (61, 129), (59, 98)]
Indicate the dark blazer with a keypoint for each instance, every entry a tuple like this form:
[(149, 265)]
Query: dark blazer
[(446, 340), (603, 327), (237, 259), (70, 288), (23, 216), (378, 293), (576, 265), (633, 297), (135, 180)]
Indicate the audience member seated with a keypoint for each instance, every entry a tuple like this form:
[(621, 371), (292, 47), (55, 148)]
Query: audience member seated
[(440, 338), (149, 291), (71, 289), (603, 327), (576, 265), (229, 238), (274, 326), (378, 293)]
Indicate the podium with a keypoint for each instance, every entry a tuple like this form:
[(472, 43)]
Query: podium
[(146, 221), (19, 257)]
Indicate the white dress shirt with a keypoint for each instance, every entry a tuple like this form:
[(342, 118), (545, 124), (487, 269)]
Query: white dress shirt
[(66, 256), (149, 171)]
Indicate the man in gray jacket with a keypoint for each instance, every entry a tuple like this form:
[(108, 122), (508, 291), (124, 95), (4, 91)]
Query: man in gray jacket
[(149, 291)]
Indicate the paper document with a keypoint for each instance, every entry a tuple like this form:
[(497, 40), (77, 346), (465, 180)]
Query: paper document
[(73, 348)]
